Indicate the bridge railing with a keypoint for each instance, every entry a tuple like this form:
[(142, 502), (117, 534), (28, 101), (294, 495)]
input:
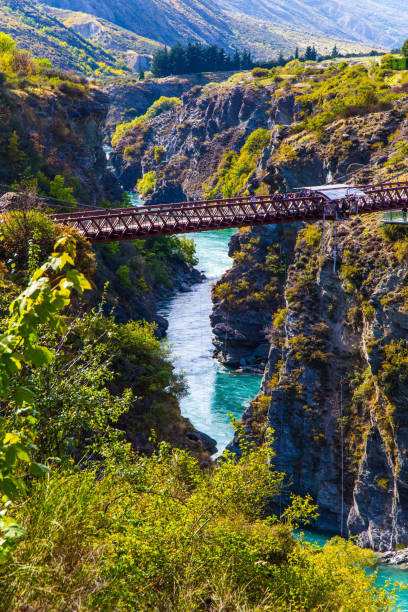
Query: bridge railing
[(164, 219)]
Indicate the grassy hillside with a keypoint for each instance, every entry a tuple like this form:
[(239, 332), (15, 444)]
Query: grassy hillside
[(133, 49), (34, 29)]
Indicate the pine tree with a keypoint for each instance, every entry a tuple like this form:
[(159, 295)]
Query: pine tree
[(236, 60), (17, 158), (335, 52), (297, 53), (404, 49)]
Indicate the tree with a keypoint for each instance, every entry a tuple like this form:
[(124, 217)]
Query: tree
[(141, 75), (335, 52), (17, 158), (404, 48), (59, 191), (297, 53), (7, 44), (311, 54), (236, 60)]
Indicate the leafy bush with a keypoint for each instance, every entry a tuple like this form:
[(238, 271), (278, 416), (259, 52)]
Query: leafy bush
[(260, 73), (147, 184), (47, 294), (341, 92), (191, 536), (123, 275), (159, 153), (311, 234), (158, 107), (20, 231)]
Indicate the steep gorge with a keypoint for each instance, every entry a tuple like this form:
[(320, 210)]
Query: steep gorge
[(333, 342)]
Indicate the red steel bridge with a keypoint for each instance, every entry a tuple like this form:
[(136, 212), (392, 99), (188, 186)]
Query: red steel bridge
[(308, 204)]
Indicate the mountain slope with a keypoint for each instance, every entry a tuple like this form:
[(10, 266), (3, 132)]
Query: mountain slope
[(135, 50), (45, 36), (258, 26), (369, 21), (167, 21)]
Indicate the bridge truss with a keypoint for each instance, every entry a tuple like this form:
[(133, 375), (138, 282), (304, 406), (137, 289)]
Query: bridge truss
[(107, 225)]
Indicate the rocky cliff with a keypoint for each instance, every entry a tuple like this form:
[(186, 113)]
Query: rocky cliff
[(335, 384), (185, 145), (131, 99), (54, 126)]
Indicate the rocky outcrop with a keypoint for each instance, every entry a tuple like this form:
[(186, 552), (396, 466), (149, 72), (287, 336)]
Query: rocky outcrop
[(249, 294), (57, 131), (131, 99), (335, 387), (185, 145)]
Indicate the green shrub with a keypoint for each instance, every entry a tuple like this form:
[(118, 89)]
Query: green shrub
[(147, 184), (158, 107), (159, 153), (260, 73), (311, 234), (123, 274), (157, 533), (235, 169)]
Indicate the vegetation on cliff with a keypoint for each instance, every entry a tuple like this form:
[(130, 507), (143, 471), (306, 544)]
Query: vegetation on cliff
[(49, 120), (159, 106)]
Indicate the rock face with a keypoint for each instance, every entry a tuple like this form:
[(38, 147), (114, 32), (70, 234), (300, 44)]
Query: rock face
[(58, 131), (185, 145), (247, 296), (130, 100), (335, 387)]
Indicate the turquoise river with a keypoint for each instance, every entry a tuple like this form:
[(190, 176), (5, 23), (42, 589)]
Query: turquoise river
[(214, 392)]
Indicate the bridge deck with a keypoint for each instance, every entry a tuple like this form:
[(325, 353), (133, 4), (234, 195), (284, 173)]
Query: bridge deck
[(106, 225)]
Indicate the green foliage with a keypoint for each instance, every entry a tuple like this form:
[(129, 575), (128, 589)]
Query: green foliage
[(260, 73), (341, 91), (7, 44), (394, 368), (27, 237), (159, 153), (235, 168), (368, 311), (284, 154), (311, 234), (59, 191), (197, 58), (190, 535), (123, 274), (147, 184), (47, 294), (280, 317), (16, 156), (158, 107), (185, 249)]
